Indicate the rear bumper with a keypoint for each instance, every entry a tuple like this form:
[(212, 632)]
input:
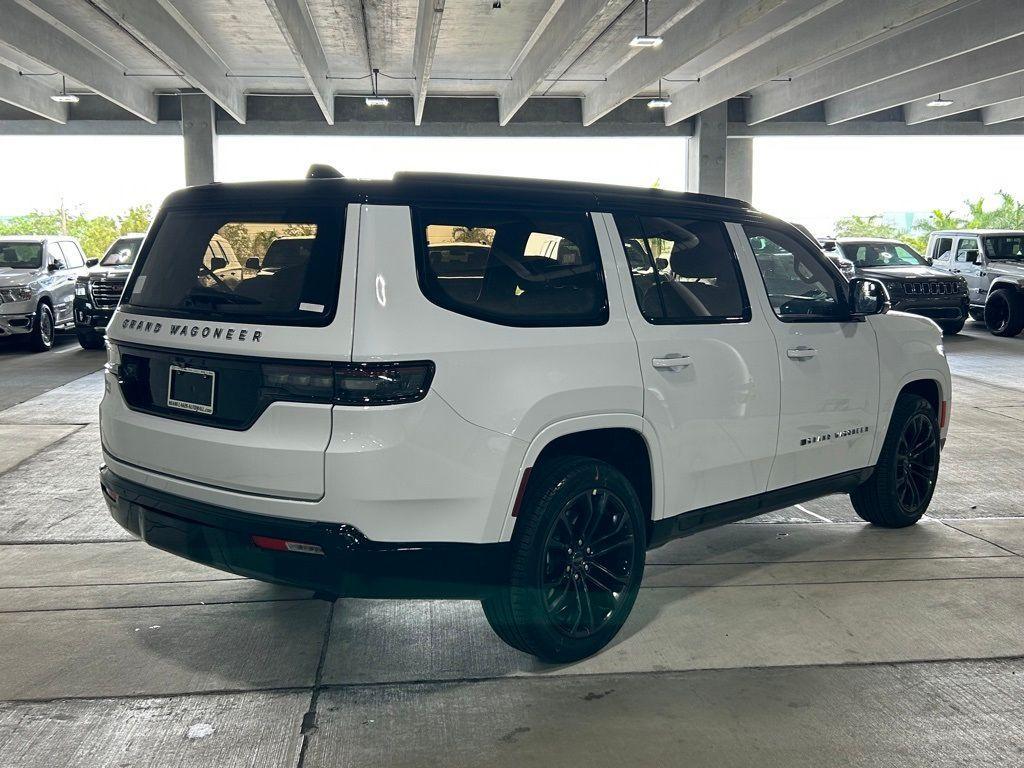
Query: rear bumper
[(351, 565)]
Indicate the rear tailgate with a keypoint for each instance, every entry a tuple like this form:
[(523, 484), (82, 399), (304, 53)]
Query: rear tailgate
[(241, 404)]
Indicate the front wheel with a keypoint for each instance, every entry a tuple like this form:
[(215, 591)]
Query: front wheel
[(952, 327), (41, 338), (901, 487), (577, 561), (89, 339), (1004, 313)]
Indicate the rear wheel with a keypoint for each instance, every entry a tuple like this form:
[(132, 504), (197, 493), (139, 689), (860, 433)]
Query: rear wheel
[(901, 487), (977, 313), (952, 327), (577, 561), (89, 339), (41, 338), (1004, 313)]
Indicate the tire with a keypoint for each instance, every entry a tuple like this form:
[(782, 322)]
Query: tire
[(952, 327), (1004, 313), (41, 338), (89, 339), (977, 313), (901, 487), (563, 601)]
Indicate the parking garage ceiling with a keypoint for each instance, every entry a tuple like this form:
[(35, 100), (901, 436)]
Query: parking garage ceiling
[(789, 66)]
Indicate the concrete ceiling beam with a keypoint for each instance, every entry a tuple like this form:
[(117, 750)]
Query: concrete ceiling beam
[(159, 27), (428, 28), (842, 26), (299, 31), (971, 97), (22, 92), (35, 37)]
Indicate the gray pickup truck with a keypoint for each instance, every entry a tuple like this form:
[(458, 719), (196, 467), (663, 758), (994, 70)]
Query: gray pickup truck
[(37, 286), (992, 263)]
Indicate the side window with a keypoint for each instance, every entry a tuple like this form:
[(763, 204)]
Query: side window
[(512, 268), (798, 284), (941, 248), (55, 254), (683, 270), (72, 256), (965, 245)]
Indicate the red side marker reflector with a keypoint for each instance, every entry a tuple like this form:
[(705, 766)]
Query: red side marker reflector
[(281, 545), (942, 414), (521, 492)]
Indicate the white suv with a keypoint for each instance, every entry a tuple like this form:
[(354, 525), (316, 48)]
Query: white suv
[(499, 389)]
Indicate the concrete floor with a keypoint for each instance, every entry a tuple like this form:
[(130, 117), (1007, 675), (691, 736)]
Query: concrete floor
[(803, 638)]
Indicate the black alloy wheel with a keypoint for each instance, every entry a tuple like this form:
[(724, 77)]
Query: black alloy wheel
[(577, 559), (901, 486), (588, 562), (917, 458)]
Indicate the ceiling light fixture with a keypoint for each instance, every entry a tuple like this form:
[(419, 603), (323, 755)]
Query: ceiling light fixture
[(940, 102), (659, 102), (376, 100), (646, 40), (64, 97)]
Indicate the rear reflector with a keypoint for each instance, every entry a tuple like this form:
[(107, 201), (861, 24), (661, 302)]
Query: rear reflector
[(522, 491), (281, 545)]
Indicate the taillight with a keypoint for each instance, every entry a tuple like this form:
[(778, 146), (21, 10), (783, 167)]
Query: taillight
[(350, 383), (382, 383)]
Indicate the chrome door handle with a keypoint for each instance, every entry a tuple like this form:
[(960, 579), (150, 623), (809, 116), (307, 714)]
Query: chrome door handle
[(672, 362), (801, 353)]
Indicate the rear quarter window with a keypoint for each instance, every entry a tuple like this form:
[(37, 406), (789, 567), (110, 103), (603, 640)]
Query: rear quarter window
[(511, 267), (276, 266)]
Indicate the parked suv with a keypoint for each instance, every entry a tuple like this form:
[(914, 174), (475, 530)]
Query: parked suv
[(37, 286), (992, 263), (98, 290), (392, 415), (913, 284)]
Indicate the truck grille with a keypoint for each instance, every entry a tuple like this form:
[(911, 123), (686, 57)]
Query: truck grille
[(106, 293), (931, 288)]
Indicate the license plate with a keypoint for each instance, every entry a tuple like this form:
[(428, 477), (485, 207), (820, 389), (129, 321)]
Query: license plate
[(190, 389)]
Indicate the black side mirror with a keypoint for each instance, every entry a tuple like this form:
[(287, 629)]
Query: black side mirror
[(868, 297), (56, 265), (91, 262), (929, 260), (661, 263), (218, 262), (971, 256), (252, 263)]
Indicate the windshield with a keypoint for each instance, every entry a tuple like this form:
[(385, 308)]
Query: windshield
[(17, 255), (275, 266), (1005, 247), (882, 255), (122, 252)]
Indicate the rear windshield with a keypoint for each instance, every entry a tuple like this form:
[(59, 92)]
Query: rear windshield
[(122, 252), (17, 255), (275, 266)]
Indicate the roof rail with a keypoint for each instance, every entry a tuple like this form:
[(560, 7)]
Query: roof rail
[(322, 171)]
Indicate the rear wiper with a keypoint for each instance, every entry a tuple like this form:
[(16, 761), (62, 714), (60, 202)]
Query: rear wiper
[(214, 297)]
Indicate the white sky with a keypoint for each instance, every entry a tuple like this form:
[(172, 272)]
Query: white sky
[(810, 180)]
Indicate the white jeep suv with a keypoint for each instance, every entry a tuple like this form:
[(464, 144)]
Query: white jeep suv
[(499, 389)]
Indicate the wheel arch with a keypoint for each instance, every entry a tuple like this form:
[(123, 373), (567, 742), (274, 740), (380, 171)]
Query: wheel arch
[(932, 386), (1011, 284), (617, 439)]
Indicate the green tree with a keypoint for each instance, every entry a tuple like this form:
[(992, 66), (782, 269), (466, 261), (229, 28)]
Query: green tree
[(135, 219), (865, 226), (95, 233)]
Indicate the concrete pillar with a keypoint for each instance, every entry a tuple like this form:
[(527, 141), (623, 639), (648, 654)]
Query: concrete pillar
[(739, 169), (199, 130), (705, 167)]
